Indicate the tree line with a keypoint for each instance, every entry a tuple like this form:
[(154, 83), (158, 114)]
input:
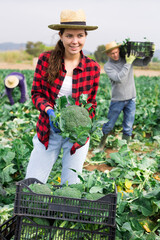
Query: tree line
[(99, 55)]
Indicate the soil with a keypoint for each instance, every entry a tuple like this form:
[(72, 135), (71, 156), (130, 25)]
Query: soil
[(17, 66), (143, 72), (101, 167)]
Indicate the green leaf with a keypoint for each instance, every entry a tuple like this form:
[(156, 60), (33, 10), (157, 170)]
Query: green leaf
[(121, 206), (117, 158), (127, 226), (71, 100), (151, 236), (88, 105), (9, 156), (115, 172), (80, 176), (157, 203), (146, 208), (96, 189), (91, 181), (7, 171), (61, 103)]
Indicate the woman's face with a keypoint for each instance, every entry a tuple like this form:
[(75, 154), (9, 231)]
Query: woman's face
[(73, 40)]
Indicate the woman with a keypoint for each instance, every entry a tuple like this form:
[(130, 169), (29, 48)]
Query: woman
[(62, 71)]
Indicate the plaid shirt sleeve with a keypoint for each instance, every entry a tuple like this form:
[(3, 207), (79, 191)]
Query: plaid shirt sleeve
[(43, 95), (39, 90)]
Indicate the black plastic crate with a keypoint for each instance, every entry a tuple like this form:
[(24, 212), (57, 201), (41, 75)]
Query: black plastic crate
[(102, 211), (27, 229), (143, 49), (7, 229)]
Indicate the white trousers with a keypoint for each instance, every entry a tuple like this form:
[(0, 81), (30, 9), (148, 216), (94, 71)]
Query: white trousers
[(42, 160)]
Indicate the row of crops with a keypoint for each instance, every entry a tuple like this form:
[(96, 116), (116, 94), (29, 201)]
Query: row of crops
[(135, 167)]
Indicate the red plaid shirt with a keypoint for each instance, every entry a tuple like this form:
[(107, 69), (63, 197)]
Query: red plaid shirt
[(85, 80)]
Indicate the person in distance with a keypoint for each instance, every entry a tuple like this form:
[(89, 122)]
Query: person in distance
[(120, 72)]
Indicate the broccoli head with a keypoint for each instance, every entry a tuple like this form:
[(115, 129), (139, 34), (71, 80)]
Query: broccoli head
[(67, 192), (75, 122), (40, 188), (94, 196)]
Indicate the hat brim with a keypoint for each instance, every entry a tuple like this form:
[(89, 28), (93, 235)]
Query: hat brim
[(70, 26), (112, 48), (13, 84)]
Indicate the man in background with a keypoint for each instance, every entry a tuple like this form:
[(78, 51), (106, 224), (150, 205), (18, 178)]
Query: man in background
[(120, 71)]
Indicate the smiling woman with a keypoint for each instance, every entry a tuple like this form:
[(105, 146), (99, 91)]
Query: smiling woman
[(73, 42), (63, 71)]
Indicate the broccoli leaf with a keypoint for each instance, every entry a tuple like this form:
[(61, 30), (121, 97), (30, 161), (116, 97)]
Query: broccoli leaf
[(71, 100), (61, 103)]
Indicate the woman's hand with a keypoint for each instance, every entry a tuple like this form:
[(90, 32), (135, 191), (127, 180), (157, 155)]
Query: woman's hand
[(51, 114)]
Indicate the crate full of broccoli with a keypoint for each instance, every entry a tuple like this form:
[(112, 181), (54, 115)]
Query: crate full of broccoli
[(93, 200), (32, 228)]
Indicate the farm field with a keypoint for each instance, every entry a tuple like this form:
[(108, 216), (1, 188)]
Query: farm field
[(135, 167), (23, 66)]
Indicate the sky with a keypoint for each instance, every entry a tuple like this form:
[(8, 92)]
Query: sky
[(28, 20)]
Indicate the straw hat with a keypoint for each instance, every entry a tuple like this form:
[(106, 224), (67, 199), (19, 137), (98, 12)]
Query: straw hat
[(11, 81), (72, 20), (110, 46)]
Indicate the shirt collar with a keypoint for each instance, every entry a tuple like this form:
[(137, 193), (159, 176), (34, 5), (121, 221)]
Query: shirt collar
[(81, 63), (113, 61)]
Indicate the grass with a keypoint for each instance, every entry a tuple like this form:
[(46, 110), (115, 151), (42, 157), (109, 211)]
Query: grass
[(151, 66), (16, 56)]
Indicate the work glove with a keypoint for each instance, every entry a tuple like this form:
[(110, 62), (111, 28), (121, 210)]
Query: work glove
[(50, 113), (131, 57), (152, 51)]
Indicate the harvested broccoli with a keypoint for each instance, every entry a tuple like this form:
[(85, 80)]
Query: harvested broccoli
[(74, 116), (40, 188), (79, 186), (75, 123), (94, 196), (67, 192), (41, 221)]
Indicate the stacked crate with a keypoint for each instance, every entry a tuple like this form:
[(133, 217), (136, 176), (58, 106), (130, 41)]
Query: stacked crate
[(99, 214)]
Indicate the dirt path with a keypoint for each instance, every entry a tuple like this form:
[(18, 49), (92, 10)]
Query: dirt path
[(18, 66), (150, 73), (143, 72)]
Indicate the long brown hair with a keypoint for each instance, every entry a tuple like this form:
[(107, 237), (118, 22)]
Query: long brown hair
[(55, 61)]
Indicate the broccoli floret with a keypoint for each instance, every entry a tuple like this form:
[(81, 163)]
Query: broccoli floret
[(94, 196), (41, 221), (67, 192), (40, 188), (79, 186), (74, 116), (75, 122)]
